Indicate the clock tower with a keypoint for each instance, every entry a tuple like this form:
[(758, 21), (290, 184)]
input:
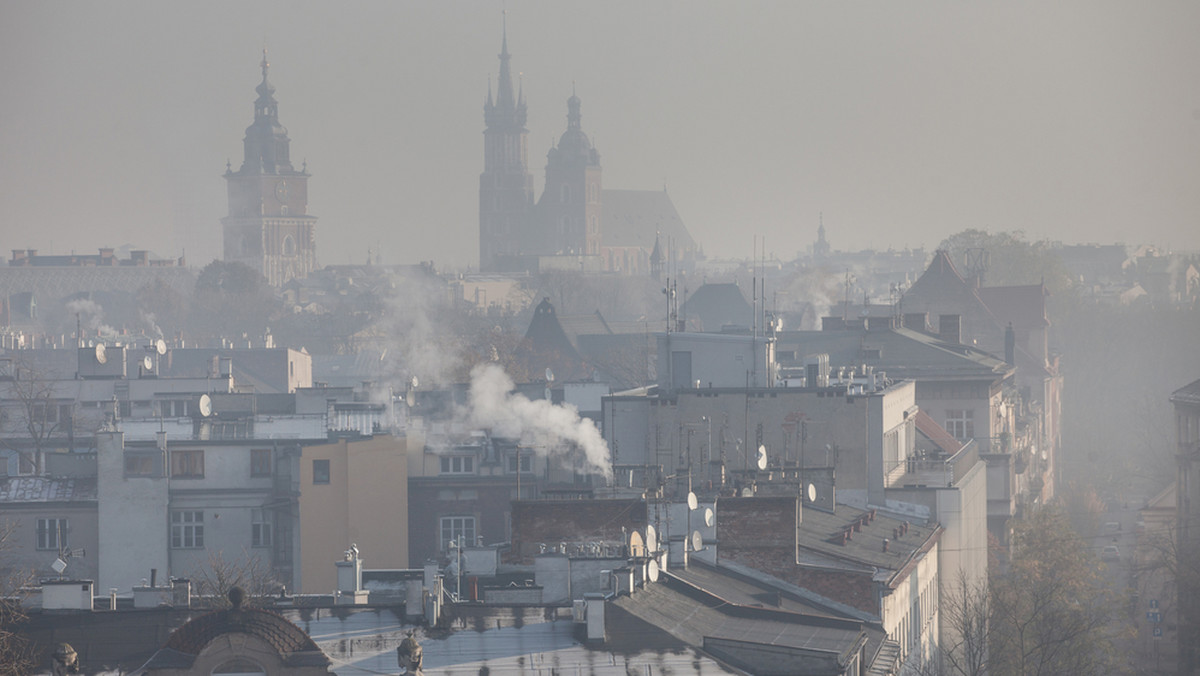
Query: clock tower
[(268, 227)]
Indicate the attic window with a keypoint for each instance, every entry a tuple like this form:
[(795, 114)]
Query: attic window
[(872, 353)]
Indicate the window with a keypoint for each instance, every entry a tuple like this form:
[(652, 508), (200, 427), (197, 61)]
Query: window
[(526, 463), (187, 464), (260, 462), (260, 528), (139, 464), (237, 429), (187, 530), (320, 471), (458, 464), (174, 408), (51, 533), (961, 423), (455, 526)]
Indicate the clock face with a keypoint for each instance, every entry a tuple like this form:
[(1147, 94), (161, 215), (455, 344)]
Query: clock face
[(281, 191)]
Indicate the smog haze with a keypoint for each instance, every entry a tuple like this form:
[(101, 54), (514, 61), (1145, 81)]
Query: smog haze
[(901, 123)]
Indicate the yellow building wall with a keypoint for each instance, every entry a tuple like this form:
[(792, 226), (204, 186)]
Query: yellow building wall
[(364, 503)]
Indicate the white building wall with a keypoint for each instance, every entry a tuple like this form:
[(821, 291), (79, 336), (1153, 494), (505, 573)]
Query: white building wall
[(133, 519)]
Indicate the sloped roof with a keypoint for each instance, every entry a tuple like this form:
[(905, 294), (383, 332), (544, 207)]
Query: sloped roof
[(545, 335), (1188, 394), (691, 614), (47, 489), (1024, 306), (936, 433), (718, 305), (902, 353), (820, 538), (293, 645), (632, 218)]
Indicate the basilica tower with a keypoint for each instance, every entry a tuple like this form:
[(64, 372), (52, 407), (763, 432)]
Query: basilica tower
[(505, 186), (268, 227), (570, 205)]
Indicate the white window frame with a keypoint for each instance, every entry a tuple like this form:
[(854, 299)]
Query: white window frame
[(187, 529), (451, 527), (52, 534), (457, 464), (960, 423), (261, 528)]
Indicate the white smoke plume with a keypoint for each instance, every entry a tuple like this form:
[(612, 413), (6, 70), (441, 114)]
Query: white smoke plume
[(91, 317), (538, 423)]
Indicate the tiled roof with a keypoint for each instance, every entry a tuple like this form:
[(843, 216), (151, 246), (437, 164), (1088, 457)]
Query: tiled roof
[(272, 628), (820, 537), (47, 489), (936, 433)]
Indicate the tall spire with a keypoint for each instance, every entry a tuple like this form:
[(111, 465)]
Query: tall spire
[(266, 143), (507, 109)]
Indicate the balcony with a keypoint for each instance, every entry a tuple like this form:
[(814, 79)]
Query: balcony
[(935, 472)]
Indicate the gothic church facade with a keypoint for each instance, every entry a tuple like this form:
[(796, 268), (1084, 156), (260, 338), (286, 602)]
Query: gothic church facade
[(576, 224)]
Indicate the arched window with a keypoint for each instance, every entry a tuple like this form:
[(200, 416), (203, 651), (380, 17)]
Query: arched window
[(289, 246), (239, 667), (566, 194)]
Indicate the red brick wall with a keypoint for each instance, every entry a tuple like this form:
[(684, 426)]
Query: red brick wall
[(551, 522)]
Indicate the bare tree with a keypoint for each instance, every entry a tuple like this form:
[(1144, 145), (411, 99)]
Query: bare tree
[(1051, 613), (250, 572), (34, 413), (16, 651)]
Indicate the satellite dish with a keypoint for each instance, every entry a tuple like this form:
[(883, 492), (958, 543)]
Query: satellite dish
[(762, 457), (59, 566), (101, 354), (709, 517), (812, 492), (205, 405), (637, 546), (160, 346), (549, 375), (148, 363), (697, 541), (651, 540), (652, 570), (692, 502)]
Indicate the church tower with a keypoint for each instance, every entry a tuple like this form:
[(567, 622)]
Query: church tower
[(505, 186), (570, 205), (268, 227)]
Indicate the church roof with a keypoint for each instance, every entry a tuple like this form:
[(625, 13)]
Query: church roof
[(632, 218), (1024, 306), (719, 305)]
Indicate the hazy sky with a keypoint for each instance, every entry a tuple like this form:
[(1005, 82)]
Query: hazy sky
[(903, 122)]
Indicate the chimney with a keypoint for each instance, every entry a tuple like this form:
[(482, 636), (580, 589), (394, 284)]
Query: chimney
[(950, 328), (885, 544), (1010, 346), (895, 533)]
